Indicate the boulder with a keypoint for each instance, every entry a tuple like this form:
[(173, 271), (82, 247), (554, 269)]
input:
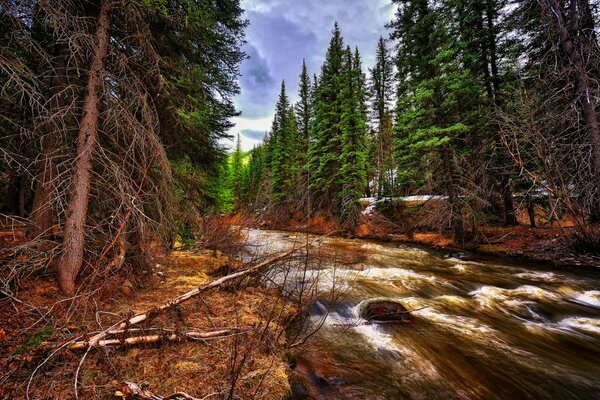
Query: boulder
[(385, 311)]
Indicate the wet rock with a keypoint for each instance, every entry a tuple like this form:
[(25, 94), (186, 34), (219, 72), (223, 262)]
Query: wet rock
[(385, 311)]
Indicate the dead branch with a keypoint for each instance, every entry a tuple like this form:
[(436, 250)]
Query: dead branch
[(136, 319), (167, 336), (130, 390)]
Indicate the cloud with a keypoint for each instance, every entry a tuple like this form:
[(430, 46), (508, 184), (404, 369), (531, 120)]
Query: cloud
[(253, 134), (283, 32), (257, 83)]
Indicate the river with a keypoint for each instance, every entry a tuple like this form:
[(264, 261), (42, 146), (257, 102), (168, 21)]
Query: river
[(483, 328)]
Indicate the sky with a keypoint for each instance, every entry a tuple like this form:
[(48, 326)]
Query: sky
[(283, 32)]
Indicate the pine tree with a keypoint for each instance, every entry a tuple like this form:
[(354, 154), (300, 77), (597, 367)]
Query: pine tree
[(305, 119), (237, 174), (437, 123), (283, 148), (277, 145), (381, 86), (323, 159), (254, 189), (351, 176)]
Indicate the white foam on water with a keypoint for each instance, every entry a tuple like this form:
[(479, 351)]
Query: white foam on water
[(492, 296), (469, 326), (460, 267), (458, 261), (535, 292), (590, 298), (406, 277), (540, 276), (376, 338), (590, 325)]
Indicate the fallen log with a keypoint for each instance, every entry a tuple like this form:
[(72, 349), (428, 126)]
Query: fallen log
[(136, 319), (133, 391), (165, 336)]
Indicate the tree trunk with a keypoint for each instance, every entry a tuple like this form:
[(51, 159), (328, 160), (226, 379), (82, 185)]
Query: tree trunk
[(456, 219), (43, 215), (584, 89), (530, 210), (74, 233), (510, 215), (13, 193)]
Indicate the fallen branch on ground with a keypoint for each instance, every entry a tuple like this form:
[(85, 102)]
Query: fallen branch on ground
[(166, 336), (133, 391), (136, 319)]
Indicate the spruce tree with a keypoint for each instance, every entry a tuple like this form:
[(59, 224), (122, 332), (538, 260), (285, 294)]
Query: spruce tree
[(237, 174), (277, 145), (438, 120), (381, 87), (304, 114), (351, 176), (323, 159)]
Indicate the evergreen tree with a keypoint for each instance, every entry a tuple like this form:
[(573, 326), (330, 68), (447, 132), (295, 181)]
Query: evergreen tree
[(305, 119), (381, 82), (237, 174), (323, 158), (254, 190), (351, 176), (283, 149), (438, 122)]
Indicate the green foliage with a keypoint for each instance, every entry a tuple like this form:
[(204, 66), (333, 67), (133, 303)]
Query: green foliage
[(237, 174), (323, 156), (351, 176), (34, 341), (282, 145), (381, 149)]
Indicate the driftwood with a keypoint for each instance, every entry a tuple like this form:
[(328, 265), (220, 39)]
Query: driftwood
[(159, 337), (124, 324), (133, 391)]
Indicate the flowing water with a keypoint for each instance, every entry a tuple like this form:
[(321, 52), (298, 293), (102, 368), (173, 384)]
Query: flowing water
[(482, 329)]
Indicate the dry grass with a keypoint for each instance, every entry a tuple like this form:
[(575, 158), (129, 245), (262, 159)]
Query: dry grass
[(198, 368)]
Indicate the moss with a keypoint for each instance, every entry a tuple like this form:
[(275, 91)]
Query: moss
[(34, 341)]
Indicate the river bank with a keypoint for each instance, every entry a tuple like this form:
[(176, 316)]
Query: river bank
[(544, 244), (251, 363)]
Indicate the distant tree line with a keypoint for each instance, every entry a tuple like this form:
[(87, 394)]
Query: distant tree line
[(487, 103)]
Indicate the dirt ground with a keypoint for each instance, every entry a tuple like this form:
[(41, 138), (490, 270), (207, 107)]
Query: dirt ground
[(39, 319)]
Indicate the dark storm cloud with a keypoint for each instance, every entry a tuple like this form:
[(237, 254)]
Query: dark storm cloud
[(252, 134), (283, 32), (257, 84)]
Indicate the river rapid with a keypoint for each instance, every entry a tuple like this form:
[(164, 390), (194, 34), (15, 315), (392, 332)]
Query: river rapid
[(482, 328)]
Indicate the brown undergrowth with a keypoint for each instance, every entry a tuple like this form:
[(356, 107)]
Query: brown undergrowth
[(248, 365), (555, 239)]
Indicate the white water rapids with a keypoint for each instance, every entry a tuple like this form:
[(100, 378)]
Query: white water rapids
[(484, 328)]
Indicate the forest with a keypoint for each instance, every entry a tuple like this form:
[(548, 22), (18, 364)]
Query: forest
[(490, 106), (475, 129)]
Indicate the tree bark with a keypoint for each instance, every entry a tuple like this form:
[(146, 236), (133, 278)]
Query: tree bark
[(584, 90), (74, 232), (530, 210), (456, 219), (510, 215)]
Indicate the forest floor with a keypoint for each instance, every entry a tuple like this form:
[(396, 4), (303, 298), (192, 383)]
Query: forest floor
[(251, 362)]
